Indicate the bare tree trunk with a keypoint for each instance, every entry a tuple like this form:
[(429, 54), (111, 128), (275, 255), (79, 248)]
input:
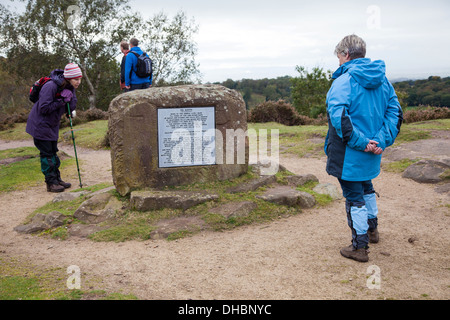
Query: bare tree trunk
[(92, 91)]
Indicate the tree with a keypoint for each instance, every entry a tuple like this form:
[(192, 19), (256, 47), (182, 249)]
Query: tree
[(309, 91), (88, 32)]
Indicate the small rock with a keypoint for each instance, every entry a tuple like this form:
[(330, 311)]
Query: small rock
[(427, 171), (154, 200), (299, 180), (285, 195), (68, 196), (412, 239), (235, 209), (253, 184), (329, 189)]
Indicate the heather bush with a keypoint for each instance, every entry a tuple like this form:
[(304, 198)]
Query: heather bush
[(423, 113), (281, 112)]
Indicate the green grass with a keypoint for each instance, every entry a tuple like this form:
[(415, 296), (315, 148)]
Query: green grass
[(87, 135), (25, 173), (398, 166), (295, 139), (22, 280)]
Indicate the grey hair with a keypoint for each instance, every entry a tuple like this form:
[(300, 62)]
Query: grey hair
[(352, 45), (134, 42)]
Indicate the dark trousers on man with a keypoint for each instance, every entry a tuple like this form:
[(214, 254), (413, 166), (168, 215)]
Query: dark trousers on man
[(50, 161), (139, 86)]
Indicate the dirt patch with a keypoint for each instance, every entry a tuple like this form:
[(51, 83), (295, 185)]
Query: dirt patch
[(291, 258)]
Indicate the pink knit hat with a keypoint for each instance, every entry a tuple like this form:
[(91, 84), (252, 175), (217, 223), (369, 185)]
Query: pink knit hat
[(72, 71)]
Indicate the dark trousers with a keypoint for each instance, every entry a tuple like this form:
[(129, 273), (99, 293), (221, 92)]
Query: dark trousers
[(50, 161), (139, 86)]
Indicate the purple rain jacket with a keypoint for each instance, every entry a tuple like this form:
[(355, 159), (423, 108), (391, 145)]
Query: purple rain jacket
[(45, 116)]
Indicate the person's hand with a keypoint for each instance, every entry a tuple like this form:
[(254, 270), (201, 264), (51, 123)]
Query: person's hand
[(373, 147), (67, 95)]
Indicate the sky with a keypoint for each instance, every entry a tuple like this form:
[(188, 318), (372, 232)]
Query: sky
[(257, 39)]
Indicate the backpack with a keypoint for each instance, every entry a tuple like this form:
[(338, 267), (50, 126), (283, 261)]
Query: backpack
[(36, 88), (144, 66)]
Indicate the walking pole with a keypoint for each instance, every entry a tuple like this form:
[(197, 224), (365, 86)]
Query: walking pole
[(74, 146)]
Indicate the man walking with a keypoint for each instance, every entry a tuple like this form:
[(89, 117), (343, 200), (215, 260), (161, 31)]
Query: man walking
[(364, 118), (132, 80), (124, 48)]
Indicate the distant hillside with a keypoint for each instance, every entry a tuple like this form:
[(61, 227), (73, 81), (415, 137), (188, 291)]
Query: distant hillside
[(434, 91), (258, 91)]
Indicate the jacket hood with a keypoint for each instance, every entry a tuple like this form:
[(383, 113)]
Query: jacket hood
[(57, 76), (369, 74), (137, 50)]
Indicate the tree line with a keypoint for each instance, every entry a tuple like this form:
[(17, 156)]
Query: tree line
[(434, 91), (50, 33)]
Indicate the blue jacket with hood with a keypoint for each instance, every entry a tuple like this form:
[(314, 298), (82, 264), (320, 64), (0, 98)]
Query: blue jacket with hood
[(130, 66), (361, 105)]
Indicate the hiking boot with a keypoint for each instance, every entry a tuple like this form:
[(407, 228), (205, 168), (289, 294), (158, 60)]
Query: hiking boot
[(360, 255), (55, 188), (374, 236), (66, 185)]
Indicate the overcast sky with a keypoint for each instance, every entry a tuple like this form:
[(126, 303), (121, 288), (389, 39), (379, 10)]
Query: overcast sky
[(267, 39), (258, 38)]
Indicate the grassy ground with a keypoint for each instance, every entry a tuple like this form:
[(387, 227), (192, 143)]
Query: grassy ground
[(20, 279), (25, 173)]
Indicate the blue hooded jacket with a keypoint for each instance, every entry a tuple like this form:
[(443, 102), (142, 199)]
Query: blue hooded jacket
[(45, 116), (130, 66), (361, 106)]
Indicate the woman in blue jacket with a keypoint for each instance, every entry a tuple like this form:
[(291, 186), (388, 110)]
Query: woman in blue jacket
[(364, 118), (44, 120)]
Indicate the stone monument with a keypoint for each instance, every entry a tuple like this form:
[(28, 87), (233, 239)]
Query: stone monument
[(170, 136)]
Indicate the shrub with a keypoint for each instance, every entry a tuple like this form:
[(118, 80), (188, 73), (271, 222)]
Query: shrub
[(281, 112), (426, 113)]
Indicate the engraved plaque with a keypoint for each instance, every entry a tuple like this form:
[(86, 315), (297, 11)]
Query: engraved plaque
[(186, 137)]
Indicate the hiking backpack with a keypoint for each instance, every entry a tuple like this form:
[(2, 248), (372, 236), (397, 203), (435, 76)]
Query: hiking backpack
[(36, 88), (144, 66)]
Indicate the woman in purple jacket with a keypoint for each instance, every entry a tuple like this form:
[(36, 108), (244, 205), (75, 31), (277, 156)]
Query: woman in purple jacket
[(44, 119)]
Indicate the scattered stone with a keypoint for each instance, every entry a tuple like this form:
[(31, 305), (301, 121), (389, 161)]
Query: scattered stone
[(384, 253), (41, 222), (412, 239), (427, 171), (254, 184), (84, 230), (154, 200), (168, 226), (299, 180), (68, 196), (329, 189), (285, 195), (91, 210), (235, 209), (54, 219)]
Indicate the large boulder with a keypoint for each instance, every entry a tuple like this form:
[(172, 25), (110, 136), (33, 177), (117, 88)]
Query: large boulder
[(138, 118), (428, 171)]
